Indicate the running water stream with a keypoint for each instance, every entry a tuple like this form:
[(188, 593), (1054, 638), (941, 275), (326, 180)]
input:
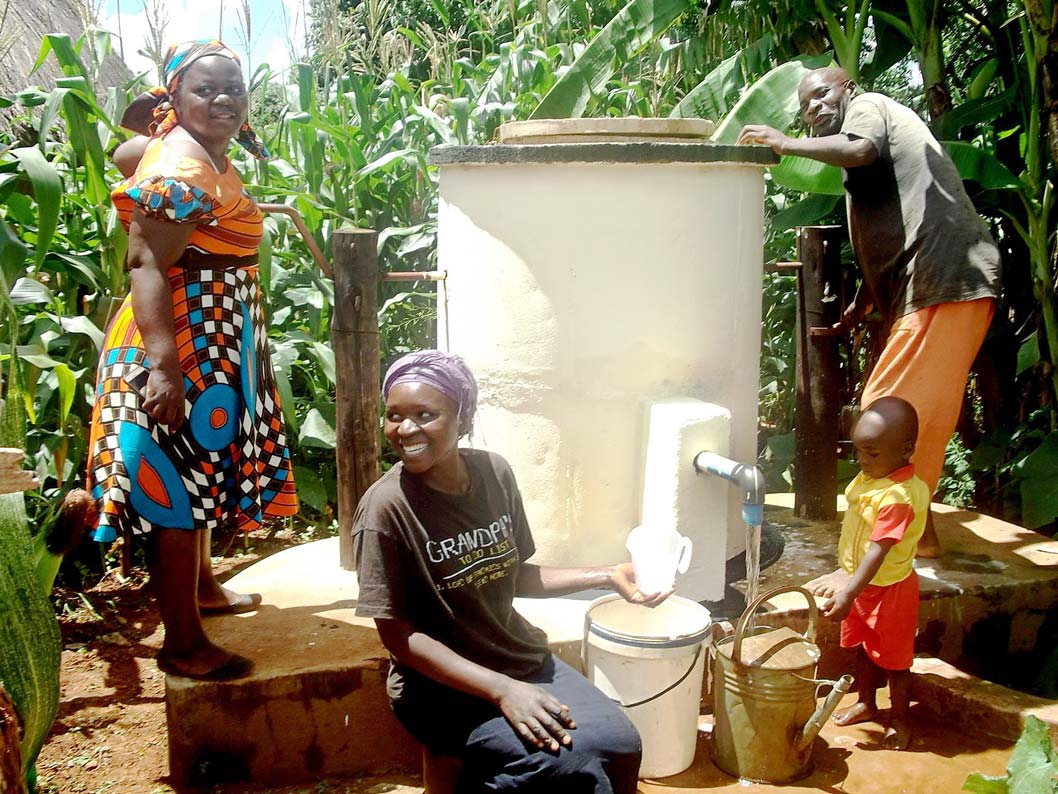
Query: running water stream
[(752, 570)]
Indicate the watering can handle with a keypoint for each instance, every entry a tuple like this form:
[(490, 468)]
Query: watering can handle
[(810, 632)]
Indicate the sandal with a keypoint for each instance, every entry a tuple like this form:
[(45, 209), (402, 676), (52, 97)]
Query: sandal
[(245, 603)]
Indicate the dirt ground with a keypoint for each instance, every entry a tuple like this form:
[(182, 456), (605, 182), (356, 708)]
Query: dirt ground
[(110, 736)]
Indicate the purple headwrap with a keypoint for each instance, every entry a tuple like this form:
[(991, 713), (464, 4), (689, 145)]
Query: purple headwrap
[(446, 372)]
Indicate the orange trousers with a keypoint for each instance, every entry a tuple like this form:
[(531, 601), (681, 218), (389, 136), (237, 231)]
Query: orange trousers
[(926, 361)]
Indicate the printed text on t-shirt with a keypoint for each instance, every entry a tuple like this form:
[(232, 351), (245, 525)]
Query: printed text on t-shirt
[(474, 557)]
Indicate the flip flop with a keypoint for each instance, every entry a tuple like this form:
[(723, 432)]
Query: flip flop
[(236, 667), (246, 603)]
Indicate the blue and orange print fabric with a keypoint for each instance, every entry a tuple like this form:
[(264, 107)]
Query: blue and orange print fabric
[(228, 462)]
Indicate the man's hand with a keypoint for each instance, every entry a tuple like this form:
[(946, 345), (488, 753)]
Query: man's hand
[(536, 715), (769, 136), (163, 397), (854, 314), (623, 580), (838, 607)]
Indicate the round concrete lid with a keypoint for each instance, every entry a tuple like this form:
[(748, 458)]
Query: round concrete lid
[(605, 130)]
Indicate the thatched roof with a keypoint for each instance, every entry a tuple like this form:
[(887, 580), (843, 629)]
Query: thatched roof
[(23, 29)]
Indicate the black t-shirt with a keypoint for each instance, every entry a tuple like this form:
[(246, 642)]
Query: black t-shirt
[(448, 565)]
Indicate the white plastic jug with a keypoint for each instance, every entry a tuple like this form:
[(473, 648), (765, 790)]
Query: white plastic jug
[(657, 555)]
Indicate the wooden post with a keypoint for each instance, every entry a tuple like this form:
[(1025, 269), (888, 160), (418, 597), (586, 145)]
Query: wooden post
[(816, 416), (354, 337)]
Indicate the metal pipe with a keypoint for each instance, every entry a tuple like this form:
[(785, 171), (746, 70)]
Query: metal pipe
[(416, 275), (310, 241), (748, 479)]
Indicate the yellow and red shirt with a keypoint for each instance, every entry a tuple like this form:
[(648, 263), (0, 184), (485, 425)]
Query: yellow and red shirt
[(887, 508)]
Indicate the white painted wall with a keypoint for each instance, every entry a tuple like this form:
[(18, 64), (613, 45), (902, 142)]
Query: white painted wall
[(578, 294)]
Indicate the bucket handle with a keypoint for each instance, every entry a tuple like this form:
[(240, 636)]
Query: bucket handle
[(740, 629), (669, 688), (584, 666)]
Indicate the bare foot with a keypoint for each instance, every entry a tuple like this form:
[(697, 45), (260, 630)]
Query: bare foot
[(828, 585), (856, 713), (897, 736), (929, 543), (206, 662)]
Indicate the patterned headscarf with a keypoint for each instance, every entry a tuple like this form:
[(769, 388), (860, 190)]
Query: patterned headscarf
[(446, 372), (152, 113)]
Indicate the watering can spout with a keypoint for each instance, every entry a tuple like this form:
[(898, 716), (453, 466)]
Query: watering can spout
[(822, 713)]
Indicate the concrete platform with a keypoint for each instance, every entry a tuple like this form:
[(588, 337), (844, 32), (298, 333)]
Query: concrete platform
[(316, 704)]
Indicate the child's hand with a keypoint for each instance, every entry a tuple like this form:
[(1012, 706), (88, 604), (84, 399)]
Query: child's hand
[(838, 607)]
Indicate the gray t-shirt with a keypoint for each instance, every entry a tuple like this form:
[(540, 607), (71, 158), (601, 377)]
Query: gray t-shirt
[(448, 565), (917, 237)]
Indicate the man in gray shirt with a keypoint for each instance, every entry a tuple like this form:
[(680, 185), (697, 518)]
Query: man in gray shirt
[(928, 262)]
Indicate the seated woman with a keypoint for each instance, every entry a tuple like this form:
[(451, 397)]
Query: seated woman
[(442, 544)]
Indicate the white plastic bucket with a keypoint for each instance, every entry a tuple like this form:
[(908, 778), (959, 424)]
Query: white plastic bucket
[(651, 662)]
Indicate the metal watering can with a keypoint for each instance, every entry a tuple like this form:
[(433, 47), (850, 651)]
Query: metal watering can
[(764, 698)]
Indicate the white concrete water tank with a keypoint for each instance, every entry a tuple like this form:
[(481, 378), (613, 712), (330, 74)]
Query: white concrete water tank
[(584, 282)]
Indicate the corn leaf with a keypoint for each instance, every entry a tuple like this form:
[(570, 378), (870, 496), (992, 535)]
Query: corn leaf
[(631, 29), (47, 190)]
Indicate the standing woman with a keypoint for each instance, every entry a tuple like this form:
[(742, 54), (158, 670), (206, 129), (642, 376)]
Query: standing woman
[(187, 432), (442, 544)]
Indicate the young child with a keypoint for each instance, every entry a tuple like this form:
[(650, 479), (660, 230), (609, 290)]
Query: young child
[(875, 595)]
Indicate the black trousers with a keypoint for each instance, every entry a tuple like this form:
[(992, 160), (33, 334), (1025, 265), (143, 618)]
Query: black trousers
[(603, 759)]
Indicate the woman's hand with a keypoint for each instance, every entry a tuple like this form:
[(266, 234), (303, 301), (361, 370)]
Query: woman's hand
[(163, 396), (623, 579), (536, 715)]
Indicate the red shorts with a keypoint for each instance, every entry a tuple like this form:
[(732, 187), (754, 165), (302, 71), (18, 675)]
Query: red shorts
[(883, 620)]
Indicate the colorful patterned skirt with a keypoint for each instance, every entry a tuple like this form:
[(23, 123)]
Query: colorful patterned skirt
[(228, 462)]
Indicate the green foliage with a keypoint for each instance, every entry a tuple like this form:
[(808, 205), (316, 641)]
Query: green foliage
[(1038, 475), (635, 26), (55, 215), (30, 645), (956, 486), (1032, 769)]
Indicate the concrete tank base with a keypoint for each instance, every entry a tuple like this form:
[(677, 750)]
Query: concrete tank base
[(316, 702)]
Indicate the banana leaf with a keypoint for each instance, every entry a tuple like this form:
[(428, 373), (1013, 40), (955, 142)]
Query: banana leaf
[(808, 176), (634, 26), (981, 166), (973, 112), (804, 212), (708, 99)]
